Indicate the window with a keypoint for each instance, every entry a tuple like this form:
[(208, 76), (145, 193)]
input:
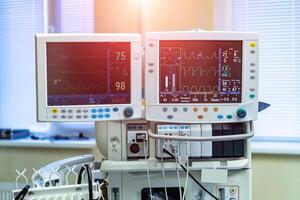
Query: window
[(278, 24), (19, 22)]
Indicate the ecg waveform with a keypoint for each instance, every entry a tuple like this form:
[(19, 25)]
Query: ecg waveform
[(79, 86), (200, 89), (200, 55), (199, 71)]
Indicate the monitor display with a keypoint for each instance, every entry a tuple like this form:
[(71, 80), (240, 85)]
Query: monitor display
[(200, 71), (88, 73)]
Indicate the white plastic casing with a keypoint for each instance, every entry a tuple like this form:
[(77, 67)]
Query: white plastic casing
[(202, 112), (83, 112)]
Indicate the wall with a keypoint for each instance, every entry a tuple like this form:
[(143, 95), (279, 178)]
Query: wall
[(276, 177), (159, 15)]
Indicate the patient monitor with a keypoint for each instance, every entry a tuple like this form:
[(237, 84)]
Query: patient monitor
[(90, 77), (201, 77)]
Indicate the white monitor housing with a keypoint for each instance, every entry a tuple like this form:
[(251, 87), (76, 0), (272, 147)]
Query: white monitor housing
[(201, 76), (88, 77)]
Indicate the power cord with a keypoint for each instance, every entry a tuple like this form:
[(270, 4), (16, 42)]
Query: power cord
[(192, 177)]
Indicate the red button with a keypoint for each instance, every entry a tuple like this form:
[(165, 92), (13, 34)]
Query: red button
[(134, 148)]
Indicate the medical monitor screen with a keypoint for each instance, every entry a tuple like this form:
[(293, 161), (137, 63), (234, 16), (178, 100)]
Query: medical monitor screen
[(88, 73), (200, 71)]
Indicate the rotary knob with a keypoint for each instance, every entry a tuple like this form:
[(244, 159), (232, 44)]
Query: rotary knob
[(128, 112), (241, 113)]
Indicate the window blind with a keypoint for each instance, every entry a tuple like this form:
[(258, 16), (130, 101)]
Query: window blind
[(278, 24), (19, 21), (75, 16)]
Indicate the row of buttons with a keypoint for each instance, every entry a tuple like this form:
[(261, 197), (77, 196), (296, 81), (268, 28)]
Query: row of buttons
[(70, 117), (195, 109), (135, 127), (56, 111), (229, 116), (100, 116), (100, 110), (173, 127), (252, 70)]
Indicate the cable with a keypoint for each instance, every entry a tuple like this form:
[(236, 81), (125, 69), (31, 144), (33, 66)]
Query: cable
[(192, 177), (90, 181), (148, 174), (23, 193), (187, 173), (177, 172), (87, 168), (163, 170)]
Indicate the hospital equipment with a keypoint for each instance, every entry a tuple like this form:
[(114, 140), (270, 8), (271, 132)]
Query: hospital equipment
[(189, 138)]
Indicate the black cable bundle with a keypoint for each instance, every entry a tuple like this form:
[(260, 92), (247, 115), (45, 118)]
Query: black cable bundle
[(87, 168)]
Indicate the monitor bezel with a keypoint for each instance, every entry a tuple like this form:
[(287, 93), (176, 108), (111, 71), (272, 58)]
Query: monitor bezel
[(171, 112), (41, 67)]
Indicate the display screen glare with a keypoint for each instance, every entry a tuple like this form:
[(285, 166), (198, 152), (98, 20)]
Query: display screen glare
[(88, 73), (200, 71)]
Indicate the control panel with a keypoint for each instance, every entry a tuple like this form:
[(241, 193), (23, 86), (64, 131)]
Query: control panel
[(93, 113), (201, 77), (103, 82), (137, 141), (205, 149)]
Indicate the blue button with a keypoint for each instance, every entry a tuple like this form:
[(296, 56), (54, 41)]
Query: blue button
[(252, 96), (186, 127), (181, 127), (229, 116), (171, 127), (94, 116), (185, 109), (165, 109), (170, 116), (220, 116), (94, 110), (241, 113), (115, 109), (175, 109), (107, 115), (100, 110), (107, 109), (175, 127), (100, 116)]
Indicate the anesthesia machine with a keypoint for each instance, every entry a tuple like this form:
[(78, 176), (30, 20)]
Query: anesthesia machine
[(173, 118)]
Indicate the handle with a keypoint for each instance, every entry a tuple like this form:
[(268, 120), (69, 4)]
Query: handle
[(210, 138)]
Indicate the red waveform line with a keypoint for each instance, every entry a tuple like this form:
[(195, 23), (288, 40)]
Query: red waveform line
[(201, 88), (199, 71), (200, 55), (80, 86)]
